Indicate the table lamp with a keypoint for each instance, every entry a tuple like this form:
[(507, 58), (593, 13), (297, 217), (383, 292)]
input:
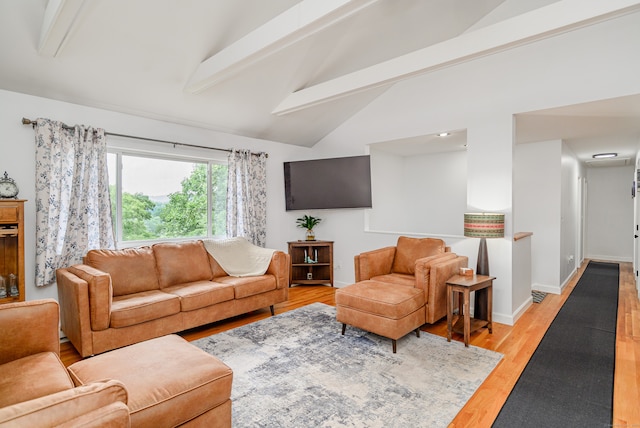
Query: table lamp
[(483, 226)]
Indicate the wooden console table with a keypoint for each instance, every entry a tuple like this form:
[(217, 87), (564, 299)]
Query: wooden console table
[(464, 285)]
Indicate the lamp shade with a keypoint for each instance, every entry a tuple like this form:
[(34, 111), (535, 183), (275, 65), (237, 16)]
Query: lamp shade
[(484, 225)]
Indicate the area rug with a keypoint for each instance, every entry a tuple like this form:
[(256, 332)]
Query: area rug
[(568, 382), (296, 370)]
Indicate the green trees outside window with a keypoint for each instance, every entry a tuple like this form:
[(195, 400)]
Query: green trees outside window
[(151, 212)]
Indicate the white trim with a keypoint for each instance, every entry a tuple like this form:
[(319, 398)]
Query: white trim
[(553, 289), (614, 259)]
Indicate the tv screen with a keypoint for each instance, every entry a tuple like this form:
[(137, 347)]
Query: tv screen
[(328, 183)]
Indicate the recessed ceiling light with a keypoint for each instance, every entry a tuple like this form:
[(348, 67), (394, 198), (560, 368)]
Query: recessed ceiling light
[(605, 155), (443, 134)]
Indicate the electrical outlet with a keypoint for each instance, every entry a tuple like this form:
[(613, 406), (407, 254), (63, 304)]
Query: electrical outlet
[(309, 275)]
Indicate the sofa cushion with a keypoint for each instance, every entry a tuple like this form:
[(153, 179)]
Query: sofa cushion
[(132, 270), (408, 250), (216, 269), (381, 299), (142, 307), (180, 262), (249, 285), (32, 377), (200, 294), (397, 279)]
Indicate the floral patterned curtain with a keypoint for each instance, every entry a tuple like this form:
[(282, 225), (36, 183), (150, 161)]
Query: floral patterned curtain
[(73, 208), (247, 196)]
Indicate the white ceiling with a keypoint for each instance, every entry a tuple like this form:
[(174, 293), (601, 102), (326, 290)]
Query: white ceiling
[(283, 70)]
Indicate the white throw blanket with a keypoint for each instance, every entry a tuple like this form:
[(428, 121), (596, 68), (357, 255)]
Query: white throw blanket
[(239, 257)]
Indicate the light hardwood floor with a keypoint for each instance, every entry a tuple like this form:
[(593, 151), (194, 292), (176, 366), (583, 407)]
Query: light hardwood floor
[(517, 343)]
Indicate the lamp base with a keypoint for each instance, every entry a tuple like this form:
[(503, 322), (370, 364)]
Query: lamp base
[(481, 296)]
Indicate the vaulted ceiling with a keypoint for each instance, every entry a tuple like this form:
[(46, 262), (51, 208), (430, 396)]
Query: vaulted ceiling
[(283, 70)]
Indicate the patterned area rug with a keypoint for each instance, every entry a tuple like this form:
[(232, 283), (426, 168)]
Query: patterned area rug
[(297, 370)]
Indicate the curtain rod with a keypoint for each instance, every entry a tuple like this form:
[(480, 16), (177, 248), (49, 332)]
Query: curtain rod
[(26, 121)]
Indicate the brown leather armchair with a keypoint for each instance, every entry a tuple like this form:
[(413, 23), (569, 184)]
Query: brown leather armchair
[(425, 263), (36, 389)]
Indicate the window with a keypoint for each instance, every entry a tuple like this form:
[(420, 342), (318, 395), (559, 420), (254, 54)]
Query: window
[(159, 198)]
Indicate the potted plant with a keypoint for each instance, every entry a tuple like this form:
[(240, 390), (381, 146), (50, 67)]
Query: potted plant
[(308, 222)]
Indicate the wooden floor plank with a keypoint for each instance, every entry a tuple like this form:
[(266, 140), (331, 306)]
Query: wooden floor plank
[(517, 343)]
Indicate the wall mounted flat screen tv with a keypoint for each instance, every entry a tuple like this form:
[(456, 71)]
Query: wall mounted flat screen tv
[(328, 183)]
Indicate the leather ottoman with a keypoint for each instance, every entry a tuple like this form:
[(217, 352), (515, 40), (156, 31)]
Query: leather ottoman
[(385, 309), (169, 382)]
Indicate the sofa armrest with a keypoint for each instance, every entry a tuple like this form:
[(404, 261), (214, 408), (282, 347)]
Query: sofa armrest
[(279, 267), (114, 415), (423, 271), (100, 290), (29, 328), (374, 263), (75, 312), (96, 398), (441, 271)]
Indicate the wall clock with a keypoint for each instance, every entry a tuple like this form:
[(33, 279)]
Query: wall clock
[(8, 187)]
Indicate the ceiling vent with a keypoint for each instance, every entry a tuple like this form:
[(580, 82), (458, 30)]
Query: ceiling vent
[(608, 162)]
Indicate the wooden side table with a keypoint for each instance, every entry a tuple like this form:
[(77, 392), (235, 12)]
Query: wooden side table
[(464, 285), (311, 262)]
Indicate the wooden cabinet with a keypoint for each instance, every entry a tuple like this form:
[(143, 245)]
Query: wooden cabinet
[(12, 249), (311, 262)]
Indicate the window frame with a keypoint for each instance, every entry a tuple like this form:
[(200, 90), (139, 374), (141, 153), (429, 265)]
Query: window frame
[(152, 151)]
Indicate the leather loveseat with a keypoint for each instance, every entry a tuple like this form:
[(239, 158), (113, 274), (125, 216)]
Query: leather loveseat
[(120, 297)]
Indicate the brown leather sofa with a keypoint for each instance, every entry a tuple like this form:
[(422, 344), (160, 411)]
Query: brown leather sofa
[(35, 387), (120, 297), (424, 263)]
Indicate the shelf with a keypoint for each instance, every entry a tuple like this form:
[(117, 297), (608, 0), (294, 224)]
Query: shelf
[(300, 271), (310, 264), (476, 324), (12, 245)]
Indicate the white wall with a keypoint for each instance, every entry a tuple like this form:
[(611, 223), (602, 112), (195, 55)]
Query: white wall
[(610, 224), (388, 194), (419, 194), (18, 159), (569, 214), (537, 208), (481, 96), (636, 217)]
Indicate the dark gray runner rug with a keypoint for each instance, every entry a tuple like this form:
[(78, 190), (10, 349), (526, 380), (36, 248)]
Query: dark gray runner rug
[(569, 380)]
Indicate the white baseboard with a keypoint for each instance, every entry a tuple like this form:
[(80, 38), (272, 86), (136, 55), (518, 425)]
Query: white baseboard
[(339, 284), (512, 319), (605, 258), (522, 309), (553, 289)]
